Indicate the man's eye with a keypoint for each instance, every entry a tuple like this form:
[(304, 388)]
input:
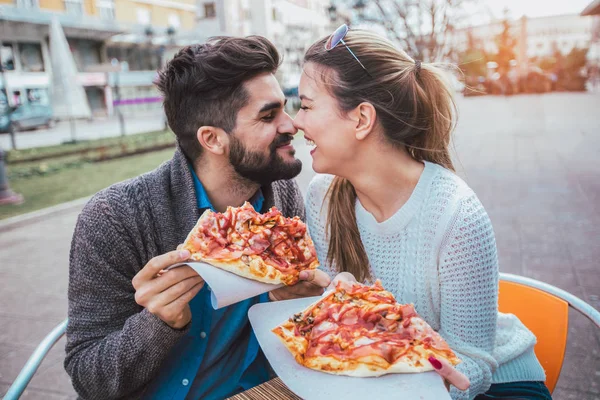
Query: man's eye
[(269, 117)]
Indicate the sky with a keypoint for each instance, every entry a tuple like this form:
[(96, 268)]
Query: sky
[(535, 8)]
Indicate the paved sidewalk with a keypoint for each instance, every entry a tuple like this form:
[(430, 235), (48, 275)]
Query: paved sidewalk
[(533, 161), (101, 127)]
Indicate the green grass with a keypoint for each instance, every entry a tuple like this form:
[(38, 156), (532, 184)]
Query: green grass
[(70, 184)]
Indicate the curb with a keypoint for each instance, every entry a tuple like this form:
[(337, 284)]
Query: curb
[(20, 220)]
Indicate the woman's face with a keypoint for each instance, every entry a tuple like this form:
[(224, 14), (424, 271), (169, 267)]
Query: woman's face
[(331, 134)]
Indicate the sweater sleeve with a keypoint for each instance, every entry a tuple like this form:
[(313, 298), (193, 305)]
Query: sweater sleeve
[(468, 270), (288, 194), (114, 346)]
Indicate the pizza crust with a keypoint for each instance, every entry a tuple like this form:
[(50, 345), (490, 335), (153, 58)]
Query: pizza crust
[(256, 269), (253, 267), (362, 367)]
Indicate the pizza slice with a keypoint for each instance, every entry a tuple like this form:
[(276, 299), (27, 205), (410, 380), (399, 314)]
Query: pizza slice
[(265, 247), (359, 330)]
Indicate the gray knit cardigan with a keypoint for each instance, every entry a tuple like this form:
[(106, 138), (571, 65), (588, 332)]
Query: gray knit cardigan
[(114, 346)]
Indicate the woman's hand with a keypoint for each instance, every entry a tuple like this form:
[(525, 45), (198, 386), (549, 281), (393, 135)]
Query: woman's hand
[(450, 374), (311, 283), (345, 277)]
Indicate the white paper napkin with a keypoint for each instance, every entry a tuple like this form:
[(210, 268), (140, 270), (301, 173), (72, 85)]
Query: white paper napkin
[(314, 385), (227, 288)]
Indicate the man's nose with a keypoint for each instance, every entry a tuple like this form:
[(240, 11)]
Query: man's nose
[(287, 125)]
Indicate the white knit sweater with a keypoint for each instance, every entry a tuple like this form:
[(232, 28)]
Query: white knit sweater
[(439, 253)]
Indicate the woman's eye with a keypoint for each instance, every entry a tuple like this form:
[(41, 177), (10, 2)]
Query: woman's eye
[(303, 108)]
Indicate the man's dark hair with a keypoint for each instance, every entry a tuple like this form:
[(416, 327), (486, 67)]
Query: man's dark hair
[(203, 84)]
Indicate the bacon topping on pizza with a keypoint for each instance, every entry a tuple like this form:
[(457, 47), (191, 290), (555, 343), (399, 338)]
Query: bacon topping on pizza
[(269, 244), (361, 330)]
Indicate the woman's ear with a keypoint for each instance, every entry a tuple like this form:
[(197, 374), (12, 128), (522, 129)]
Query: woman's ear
[(213, 140), (365, 116)]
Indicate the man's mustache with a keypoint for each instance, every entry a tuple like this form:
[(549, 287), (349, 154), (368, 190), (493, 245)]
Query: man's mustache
[(280, 140)]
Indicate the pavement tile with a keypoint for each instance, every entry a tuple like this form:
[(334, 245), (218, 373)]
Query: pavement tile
[(582, 373), (19, 331), (583, 337), (570, 394), (12, 362), (35, 307), (50, 374)]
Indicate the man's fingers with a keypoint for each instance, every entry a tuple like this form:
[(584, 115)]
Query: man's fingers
[(150, 289), (179, 303), (316, 277), (158, 263), (449, 373), (173, 293)]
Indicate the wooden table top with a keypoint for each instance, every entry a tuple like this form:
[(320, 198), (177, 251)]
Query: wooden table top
[(274, 389)]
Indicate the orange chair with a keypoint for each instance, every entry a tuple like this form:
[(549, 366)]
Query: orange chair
[(544, 309)]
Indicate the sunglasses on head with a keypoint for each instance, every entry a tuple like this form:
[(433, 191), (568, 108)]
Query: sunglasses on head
[(336, 38)]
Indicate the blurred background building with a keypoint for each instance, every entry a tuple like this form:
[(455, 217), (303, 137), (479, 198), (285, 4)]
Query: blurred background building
[(119, 44)]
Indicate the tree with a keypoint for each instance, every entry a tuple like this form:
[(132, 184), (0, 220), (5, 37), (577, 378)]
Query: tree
[(421, 27), (472, 61), (572, 77), (506, 47)]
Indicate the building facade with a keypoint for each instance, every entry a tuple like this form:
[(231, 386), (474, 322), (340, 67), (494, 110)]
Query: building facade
[(542, 36), (292, 25), (113, 42)]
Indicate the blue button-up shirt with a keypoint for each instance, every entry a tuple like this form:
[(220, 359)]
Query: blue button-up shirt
[(219, 356)]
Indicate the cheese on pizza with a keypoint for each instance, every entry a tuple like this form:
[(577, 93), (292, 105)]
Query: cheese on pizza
[(265, 247), (361, 331)]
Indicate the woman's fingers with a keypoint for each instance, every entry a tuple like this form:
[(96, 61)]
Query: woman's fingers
[(449, 373)]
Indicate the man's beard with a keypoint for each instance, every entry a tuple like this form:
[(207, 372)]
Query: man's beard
[(256, 167)]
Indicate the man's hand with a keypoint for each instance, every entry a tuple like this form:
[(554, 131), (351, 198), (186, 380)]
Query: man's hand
[(167, 294), (312, 283)]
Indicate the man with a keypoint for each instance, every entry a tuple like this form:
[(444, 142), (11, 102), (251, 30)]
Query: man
[(136, 331)]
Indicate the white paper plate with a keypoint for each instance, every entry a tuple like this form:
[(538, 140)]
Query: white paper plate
[(314, 385), (226, 287)]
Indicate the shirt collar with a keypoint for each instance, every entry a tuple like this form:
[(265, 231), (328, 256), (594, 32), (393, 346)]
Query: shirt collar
[(203, 201)]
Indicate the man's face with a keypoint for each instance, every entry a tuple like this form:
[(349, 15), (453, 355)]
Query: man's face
[(260, 146)]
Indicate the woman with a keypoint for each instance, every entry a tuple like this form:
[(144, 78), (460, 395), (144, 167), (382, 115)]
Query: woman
[(392, 209)]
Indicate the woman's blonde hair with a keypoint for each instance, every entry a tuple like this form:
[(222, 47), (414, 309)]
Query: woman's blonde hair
[(415, 107)]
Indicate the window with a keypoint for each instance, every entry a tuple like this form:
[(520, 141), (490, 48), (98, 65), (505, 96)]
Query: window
[(27, 3), (143, 16), (209, 10), (8, 58), (106, 9), (174, 21), (86, 53), (74, 7), (37, 96), (31, 57)]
